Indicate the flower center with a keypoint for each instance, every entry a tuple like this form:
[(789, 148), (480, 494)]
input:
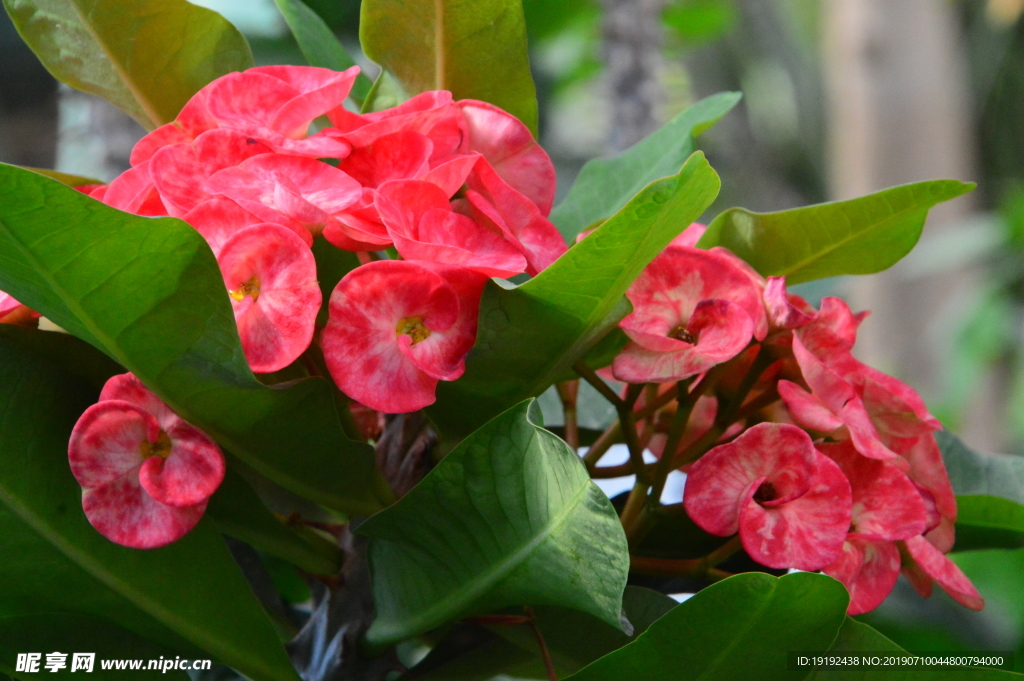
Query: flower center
[(412, 327), (249, 288), (680, 332), (766, 492), (161, 448)]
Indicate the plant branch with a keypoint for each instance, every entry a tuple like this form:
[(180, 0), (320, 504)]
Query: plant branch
[(568, 391), (602, 444), (549, 666), (588, 375)]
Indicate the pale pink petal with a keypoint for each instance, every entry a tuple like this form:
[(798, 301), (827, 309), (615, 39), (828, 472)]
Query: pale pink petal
[(928, 470), (431, 113), (779, 456), (690, 236), (509, 147), (540, 240), (108, 441), (805, 532), (7, 303), (128, 388), (886, 504), (369, 309), (452, 173), (218, 219), (785, 311), (272, 276), (945, 572), (125, 514), (398, 156), (191, 472), (806, 409), (869, 568), (133, 191)]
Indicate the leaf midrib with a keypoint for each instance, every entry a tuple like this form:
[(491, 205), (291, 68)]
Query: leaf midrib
[(477, 586), (143, 102)]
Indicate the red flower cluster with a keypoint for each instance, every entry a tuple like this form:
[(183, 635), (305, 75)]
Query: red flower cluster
[(823, 463), (460, 190)]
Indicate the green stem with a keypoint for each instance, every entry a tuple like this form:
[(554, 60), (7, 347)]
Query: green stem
[(602, 444), (634, 504), (588, 375), (567, 392), (628, 421)]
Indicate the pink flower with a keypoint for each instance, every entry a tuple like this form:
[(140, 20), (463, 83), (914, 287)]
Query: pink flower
[(923, 563), (497, 205), (179, 171), (288, 190), (832, 405), (270, 275), (218, 219), (273, 104), (886, 507), (398, 327), (133, 191), (786, 311), (145, 473), (7, 304), (423, 226), (790, 504), (692, 309), (510, 149)]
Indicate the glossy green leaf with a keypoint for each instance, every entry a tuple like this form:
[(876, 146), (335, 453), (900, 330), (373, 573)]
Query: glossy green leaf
[(508, 518), (148, 292), (856, 636), (530, 336), (64, 178), (605, 185), (69, 353), (475, 48), (985, 522), (146, 56), (237, 511), (189, 595), (318, 43), (739, 628), (859, 236), (574, 640), (972, 472), (68, 633)]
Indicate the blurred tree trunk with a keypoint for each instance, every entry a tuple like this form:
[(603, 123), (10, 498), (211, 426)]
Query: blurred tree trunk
[(898, 105), (632, 48)]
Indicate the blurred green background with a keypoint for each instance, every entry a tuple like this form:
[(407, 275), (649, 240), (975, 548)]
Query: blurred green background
[(841, 97)]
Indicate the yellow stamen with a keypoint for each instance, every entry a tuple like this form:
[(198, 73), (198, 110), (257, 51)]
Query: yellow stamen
[(680, 332), (161, 448), (412, 327), (249, 288)]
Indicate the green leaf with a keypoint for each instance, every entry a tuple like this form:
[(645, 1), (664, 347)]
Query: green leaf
[(508, 518), (146, 56), (605, 185), (319, 45), (148, 292), (859, 236), (971, 472), (475, 48), (530, 336), (574, 640), (70, 632), (985, 522), (189, 595), (69, 353), (856, 636), (739, 628), (237, 511), (64, 178)]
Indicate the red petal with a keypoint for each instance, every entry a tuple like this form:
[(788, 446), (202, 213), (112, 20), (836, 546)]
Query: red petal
[(806, 409), (805, 532), (944, 571), (107, 442), (218, 219), (361, 343), (128, 388), (886, 504), (719, 482), (125, 514), (277, 326), (133, 192), (869, 569), (191, 472), (398, 156), (509, 147)]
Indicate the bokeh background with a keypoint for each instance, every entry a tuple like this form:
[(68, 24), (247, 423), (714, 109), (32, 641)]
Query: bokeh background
[(840, 98)]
